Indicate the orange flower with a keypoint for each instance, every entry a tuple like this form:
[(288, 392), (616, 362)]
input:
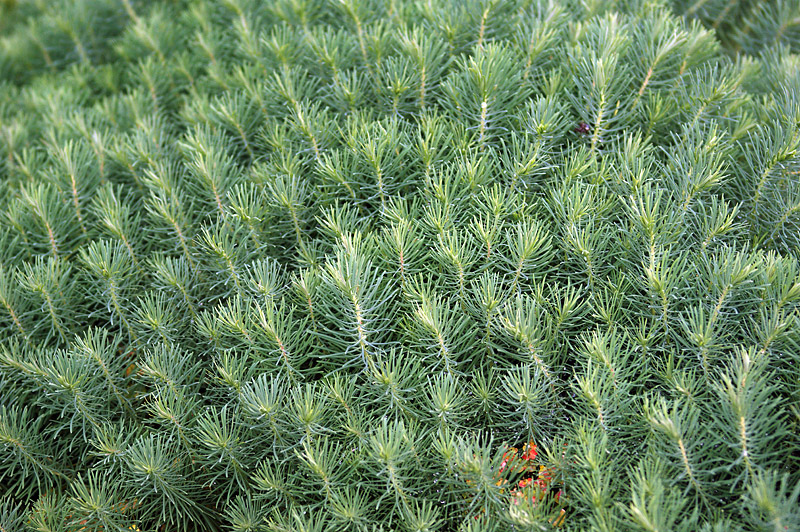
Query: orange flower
[(519, 496), (529, 451), (545, 476), (508, 458)]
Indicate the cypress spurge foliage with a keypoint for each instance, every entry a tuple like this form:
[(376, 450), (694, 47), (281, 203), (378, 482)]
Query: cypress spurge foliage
[(392, 265)]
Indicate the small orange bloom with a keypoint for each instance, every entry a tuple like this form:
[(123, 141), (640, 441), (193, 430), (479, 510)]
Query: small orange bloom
[(508, 460), (544, 478), (529, 452)]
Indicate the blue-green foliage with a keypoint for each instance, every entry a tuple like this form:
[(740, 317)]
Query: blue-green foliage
[(314, 265)]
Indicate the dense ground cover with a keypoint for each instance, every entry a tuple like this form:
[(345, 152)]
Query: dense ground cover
[(392, 265)]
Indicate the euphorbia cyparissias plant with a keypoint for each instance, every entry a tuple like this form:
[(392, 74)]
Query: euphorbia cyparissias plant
[(321, 265)]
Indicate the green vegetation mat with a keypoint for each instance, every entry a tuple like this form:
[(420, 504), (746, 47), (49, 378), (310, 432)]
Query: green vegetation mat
[(320, 265)]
